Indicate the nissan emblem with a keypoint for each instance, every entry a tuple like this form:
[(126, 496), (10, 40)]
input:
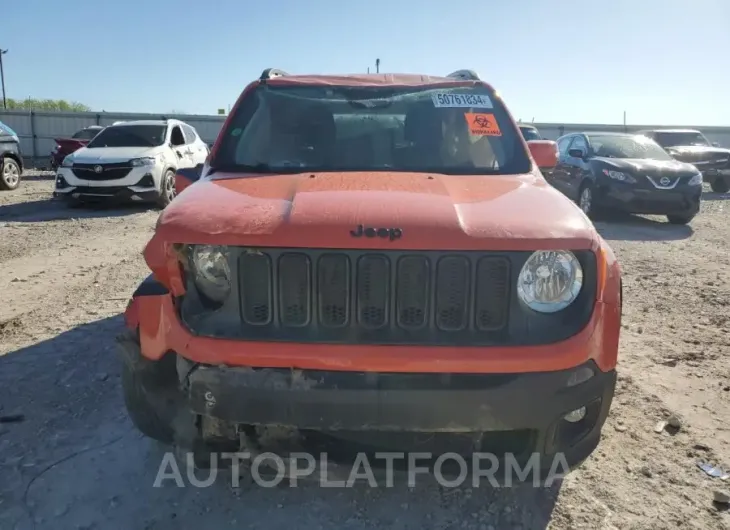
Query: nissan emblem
[(664, 181), (97, 169)]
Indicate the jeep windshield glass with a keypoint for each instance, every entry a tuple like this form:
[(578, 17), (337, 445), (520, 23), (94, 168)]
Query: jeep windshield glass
[(672, 139), (457, 130), (627, 147), (129, 136)]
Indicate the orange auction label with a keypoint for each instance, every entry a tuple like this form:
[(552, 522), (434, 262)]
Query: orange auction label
[(482, 124)]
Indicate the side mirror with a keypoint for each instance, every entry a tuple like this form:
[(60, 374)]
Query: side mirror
[(187, 176), (544, 153), (576, 153), (715, 144)]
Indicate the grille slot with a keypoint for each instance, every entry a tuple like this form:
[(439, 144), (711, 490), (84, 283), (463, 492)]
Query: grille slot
[(452, 293), (256, 289), (294, 289), (373, 291), (492, 294), (412, 286), (333, 295)]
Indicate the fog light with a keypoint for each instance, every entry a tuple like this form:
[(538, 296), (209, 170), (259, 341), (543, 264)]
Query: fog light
[(576, 415)]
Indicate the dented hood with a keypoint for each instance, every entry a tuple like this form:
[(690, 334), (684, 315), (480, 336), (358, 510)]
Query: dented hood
[(446, 212)]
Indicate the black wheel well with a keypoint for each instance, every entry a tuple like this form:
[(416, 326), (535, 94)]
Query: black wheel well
[(15, 157), (584, 183)]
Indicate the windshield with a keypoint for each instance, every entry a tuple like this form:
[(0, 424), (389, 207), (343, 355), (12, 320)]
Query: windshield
[(86, 134), (130, 136), (530, 133), (627, 147), (332, 128), (671, 139)]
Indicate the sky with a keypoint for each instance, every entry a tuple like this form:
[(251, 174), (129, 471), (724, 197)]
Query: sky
[(663, 62)]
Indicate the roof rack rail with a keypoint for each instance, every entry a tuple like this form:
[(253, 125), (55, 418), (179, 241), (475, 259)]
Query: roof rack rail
[(270, 73), (467, 75)]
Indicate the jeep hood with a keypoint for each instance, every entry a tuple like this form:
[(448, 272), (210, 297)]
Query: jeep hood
[(445, 212)]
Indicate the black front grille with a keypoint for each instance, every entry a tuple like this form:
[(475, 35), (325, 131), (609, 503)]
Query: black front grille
[(107, 171), (373, 297), (386, 297)]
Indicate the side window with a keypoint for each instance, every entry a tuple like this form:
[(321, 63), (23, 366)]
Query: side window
[(176, 137), (579, 143), (190, 135), (563, 145)]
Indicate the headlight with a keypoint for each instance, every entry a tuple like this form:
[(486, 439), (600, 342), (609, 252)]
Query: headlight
[(619, 175), (550, 280), (146, 161), (67, 162), (696, 180), (211, 270)]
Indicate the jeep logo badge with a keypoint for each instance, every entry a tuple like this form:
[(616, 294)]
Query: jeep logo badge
[(369, 231)]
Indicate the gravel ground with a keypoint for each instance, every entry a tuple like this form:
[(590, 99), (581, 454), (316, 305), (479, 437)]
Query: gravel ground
[(76, 462)]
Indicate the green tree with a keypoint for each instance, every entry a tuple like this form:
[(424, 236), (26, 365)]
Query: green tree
[(60, 105)]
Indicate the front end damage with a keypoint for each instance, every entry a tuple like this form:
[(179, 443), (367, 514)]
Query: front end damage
[(221, 394)]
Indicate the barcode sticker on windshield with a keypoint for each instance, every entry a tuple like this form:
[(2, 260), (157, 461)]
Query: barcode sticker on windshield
[(447, 99)]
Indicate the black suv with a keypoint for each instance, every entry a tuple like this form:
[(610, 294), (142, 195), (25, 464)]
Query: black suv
[(690, 145), (626, 172), (529, 132), (11, 160)]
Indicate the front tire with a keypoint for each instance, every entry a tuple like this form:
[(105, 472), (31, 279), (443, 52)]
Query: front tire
[(167, 189), (586, 200), (9, 174), (720, 185), (680, 219)]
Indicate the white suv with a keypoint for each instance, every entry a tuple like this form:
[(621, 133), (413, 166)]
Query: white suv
[(134, 160)]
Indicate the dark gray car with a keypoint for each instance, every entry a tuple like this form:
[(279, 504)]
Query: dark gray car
[(11, 159), (691, 146), (603, 171)]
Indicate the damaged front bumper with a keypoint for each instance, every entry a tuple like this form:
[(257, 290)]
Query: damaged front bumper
[(544, 413)]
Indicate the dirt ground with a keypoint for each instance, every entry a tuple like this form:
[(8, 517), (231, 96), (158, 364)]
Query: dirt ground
[(76, 462)]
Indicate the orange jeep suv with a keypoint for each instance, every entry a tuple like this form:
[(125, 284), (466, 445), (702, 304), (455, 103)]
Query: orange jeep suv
[(374, 254)]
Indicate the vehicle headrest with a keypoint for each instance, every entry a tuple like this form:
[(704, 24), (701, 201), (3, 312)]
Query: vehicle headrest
[(318, 123), (423, 125)]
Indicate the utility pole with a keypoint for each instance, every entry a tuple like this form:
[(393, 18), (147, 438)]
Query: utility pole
[(2, 77)]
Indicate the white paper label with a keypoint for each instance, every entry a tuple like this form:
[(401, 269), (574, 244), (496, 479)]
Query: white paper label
[(447, 99)]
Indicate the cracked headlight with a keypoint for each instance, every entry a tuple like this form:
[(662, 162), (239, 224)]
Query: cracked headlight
[(550, 280), (212, 274)]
